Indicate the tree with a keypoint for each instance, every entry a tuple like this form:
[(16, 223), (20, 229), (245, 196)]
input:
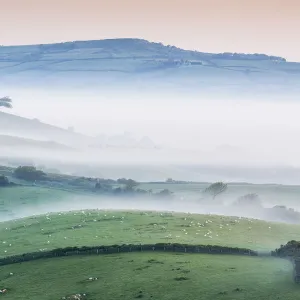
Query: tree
[(98, 185), (130, 184), (284, 213), (164, 193), (291, 249), (216, 189), (29, 173), (4, 181), (6, 102), (249, 200)]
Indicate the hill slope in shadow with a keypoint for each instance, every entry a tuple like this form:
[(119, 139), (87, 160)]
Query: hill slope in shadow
[(137, 62)]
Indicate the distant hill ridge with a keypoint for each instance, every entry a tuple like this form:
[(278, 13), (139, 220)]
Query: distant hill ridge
[(14, 141), (15, 122), (139, 65), (18, 121), (18, 126), (15, 129), (125, 44)]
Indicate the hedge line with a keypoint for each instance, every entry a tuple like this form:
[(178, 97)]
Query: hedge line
[(182, 248), (291, 249), (291, 252)]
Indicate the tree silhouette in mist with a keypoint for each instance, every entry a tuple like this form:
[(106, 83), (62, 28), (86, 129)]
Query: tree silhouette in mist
[(6, 102)]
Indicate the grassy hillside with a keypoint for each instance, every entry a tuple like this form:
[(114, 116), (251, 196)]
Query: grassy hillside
[(89, 228), (151, 276), (14, 142), (26, 198), (133, 61), (137, 275), (270, 193), (64, 192), (34, 129)]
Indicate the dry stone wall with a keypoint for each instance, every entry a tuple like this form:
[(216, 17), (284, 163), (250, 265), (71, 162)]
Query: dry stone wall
[(97, 250), (177, 248)]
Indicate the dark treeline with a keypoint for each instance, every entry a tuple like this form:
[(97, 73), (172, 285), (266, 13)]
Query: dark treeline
[(290, 251), (30, 175)]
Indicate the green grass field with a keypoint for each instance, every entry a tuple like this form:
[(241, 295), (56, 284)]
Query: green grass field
[(98, 227), (270, 194), (13, 200), (17, 198), (151, 276), (127, 276)]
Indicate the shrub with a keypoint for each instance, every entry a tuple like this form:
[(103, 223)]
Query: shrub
[(164, 193), (29, 173), (4, 181), (249, 200), (291, 249), (130, 184), (98, 185)]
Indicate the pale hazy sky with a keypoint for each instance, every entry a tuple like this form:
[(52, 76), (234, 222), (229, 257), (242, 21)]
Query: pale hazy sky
[(263, 26)]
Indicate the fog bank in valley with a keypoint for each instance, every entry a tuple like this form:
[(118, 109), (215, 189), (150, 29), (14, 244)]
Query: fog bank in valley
[(178, 204), (246, 131)]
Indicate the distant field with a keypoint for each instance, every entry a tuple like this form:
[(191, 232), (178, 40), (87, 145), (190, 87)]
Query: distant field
[(13, 200), (20, 198), (60, 186), (270, 194), (91, 228), (151, 276)]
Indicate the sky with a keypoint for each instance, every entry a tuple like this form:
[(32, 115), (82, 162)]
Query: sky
[(268, 26), (271, 27)]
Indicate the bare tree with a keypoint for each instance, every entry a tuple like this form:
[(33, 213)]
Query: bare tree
[(216, 189), (6, 102)]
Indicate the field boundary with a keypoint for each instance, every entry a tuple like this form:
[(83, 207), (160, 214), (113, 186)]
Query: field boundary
[(160, 247), (98, 250)]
